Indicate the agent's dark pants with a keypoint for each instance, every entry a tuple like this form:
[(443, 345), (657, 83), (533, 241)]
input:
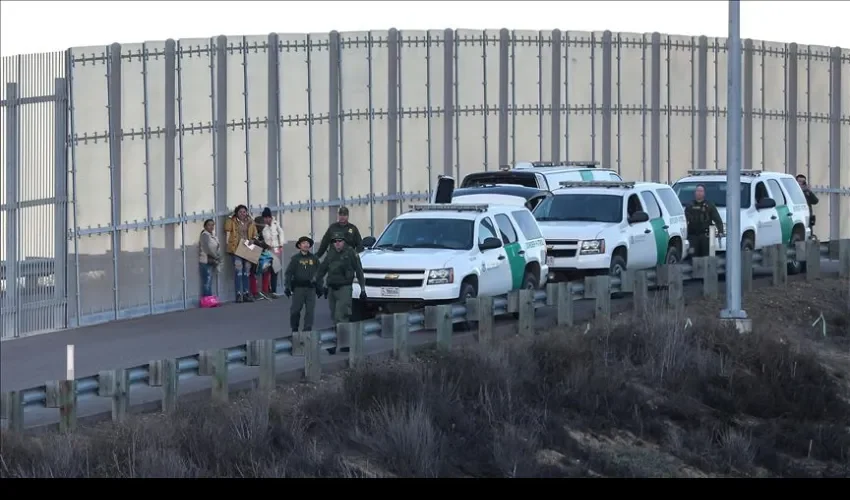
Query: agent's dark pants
[(700, 244), (302, 298), (339, 301)]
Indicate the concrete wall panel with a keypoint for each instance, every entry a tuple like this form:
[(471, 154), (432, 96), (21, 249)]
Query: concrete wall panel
[(377, 214), (628, 97), (436, 77), (469, 147), (419, 119), (524, 97), (677, 143), (774, 93), (255, 107)]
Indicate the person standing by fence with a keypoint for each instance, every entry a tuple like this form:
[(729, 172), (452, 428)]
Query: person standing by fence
[(239, 227), (273, 238), (209, 256)]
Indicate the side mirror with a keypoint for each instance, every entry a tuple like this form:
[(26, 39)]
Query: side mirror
[(490, 244), (368, 242), (638, 217), (766, 203)]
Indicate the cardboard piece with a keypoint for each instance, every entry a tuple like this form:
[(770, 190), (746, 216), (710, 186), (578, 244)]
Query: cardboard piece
[(248, 251)]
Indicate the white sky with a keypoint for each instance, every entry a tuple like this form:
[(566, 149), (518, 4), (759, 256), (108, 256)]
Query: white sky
[(36, 26)]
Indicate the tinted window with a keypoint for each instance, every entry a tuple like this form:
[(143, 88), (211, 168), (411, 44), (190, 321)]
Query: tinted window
[(486, 230), (526, 179), (761, 192), (651, 205), (670, 201), (794, 190), (581, 207), (527, 224), (506, 229), (715, 192), (634, 205), (778, 195), (454, 234)]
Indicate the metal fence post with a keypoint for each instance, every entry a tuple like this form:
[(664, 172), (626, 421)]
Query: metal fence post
[(170, 160), (60, 192), (11, 321), (334, 136), (393, 48), (113, 79), (448, 101), (504, 66), (273, 138), (655, 109), (835, 141), (606, 100)]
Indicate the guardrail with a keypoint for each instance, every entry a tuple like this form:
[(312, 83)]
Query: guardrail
[(167, 373)]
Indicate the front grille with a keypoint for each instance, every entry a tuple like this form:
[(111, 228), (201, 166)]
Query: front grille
[(394, 271), (562, 252), (562, 242), (400, 283)]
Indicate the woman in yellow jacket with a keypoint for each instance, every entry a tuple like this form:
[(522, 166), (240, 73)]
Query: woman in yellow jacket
[(238, 227)]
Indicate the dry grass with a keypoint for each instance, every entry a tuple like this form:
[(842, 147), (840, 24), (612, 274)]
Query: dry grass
[(645, 396)]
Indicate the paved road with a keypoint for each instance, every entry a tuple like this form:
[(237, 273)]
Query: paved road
[(31, 361)]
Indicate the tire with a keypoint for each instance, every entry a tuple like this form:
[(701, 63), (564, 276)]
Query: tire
[(467, 291), (747, 243), (529, 282), (617, 267), (795, 266), (674, 256)]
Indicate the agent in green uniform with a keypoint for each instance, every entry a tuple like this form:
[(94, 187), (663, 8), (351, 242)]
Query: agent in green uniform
[(341, 266), (300, 284), (349, 232), (700, 214)]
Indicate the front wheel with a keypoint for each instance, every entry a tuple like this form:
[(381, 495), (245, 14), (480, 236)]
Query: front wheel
[(467, 291), (673, 256), (529, 282), (616, 270), (795, 266)]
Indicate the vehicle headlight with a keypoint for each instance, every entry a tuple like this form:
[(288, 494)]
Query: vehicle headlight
[(441, 276), (592, 247)]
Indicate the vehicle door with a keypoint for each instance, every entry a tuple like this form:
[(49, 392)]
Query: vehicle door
[(674, 213), (796, 200), (783, 210), (767, 220), (658, 225), (642, 252), (494, 270), (443, 192), (514, 249)]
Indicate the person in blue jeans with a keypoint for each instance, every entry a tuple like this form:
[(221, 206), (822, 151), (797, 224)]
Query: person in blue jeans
[(209, 256), (238, 227)]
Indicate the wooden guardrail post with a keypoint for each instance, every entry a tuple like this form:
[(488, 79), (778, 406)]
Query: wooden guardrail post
[(214, 364), (164, 373), (640, 295), (297, 342), (513, 302), (115, 384), (565, 304), (396, 325), (439, 318), (670, 276), (62, 394), (599, 289), (778, 263), (486, 319), (12, 403), (812, 258), (706, 269), (355, 341), (262, 353), (525, 325), (844, 258), (312, 356), (747, 270)]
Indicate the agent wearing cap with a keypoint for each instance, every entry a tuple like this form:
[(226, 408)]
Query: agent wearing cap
[(300, 284), (349, 232), (341, 267)]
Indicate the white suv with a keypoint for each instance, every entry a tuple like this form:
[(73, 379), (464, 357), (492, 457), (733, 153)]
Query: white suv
[(596, 227), (541, 174), (440, 253), (773, 207)]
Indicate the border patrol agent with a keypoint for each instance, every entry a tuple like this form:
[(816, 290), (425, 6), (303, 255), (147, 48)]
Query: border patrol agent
[(341, 266), (348, 230), (700, 214), (300, 284)]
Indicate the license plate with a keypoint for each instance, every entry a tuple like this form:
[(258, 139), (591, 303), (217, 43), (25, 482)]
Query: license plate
[(390, 292), (550, 261)]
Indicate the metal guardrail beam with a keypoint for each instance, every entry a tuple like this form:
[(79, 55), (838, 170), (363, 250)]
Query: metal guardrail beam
[(438, 318)]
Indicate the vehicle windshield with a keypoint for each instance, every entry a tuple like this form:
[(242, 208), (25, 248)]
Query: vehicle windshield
[(715, 192), (450, 234), (581, 207)]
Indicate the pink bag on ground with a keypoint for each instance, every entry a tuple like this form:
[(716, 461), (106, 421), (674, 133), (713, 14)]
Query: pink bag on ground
[(209, 301)]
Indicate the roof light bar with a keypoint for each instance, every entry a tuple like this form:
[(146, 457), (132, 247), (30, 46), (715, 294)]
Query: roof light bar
[(697, 173), (570, 163), (428, 207), (602, 184)]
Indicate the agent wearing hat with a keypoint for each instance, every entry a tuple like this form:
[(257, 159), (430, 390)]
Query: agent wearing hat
[(349, 232), (300, 284), (341, 266)]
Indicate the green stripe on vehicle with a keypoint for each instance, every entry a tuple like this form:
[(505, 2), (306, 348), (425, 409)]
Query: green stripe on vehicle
[(786, 223), (586, 175), (662, 238), (517, 263)]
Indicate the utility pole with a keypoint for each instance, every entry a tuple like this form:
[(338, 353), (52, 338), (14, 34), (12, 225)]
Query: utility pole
[(734, 311)]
